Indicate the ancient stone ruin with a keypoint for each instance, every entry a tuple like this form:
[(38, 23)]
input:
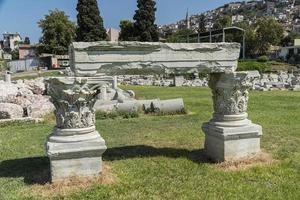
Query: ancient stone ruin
[(229, 135), (75, 148)]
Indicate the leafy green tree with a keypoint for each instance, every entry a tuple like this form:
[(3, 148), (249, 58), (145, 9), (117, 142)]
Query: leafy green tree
[(15, 54), (90, 23), (250, 38), (179, 36), (144, 26), (223, 22), (58, 33), (269, 32), (127, 30)]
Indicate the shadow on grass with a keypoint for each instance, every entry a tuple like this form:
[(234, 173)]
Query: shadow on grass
[(37, 170), (139, 151), (34, 170)]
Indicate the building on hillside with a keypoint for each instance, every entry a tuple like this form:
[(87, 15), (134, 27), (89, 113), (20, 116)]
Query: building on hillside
[(113, 34), (27, 51), (1, 50), (286, 53), (237, 18), (297, 42), (296, 28), (234, 6), (271, 8), (11, 41)]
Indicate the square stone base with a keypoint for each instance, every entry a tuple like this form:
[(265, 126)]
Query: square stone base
[(79, 167), (231, 143), (75, 159)]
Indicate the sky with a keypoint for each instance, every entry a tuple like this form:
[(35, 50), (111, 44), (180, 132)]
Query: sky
[(22, 15)]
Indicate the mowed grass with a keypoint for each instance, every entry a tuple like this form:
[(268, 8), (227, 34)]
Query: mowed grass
[(161, 157)]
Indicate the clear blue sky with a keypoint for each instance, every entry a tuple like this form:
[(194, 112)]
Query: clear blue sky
[(22, 15)]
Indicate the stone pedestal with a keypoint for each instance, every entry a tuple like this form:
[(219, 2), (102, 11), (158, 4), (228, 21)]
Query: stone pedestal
[(230, 135), (74, 148), (7, 77)]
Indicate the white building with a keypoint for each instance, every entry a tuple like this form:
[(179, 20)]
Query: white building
[(286, 52), (113, 34), (11, 40), (237, 18)]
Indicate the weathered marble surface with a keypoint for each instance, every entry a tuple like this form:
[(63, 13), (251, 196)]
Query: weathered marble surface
[(230, 135), (75, 148), (88, 59)]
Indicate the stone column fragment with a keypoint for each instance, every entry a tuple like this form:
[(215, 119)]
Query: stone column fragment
[(74, 148), (230, 135)]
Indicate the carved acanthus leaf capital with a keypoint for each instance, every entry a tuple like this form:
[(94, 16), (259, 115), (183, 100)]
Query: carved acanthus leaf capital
[(74, 99)]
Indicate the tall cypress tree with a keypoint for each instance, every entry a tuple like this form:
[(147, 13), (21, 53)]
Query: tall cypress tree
[(202, 27), (90, 23), (144, 26)]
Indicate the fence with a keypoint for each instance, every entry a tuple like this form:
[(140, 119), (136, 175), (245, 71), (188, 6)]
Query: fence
[(23, 65)]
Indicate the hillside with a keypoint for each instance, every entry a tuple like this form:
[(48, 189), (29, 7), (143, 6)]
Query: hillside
[(287, 12)]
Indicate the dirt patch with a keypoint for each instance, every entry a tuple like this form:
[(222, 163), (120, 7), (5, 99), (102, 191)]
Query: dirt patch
[(258, 159), (72, 185)]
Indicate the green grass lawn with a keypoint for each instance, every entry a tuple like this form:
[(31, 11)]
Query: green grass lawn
[(161, 157)]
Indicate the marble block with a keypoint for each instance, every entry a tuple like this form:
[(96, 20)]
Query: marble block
[(75, 153), (92, 58), (231, 143)]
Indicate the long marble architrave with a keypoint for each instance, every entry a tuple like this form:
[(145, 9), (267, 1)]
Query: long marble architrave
[(90, 59), (230, 135), (74, 148)]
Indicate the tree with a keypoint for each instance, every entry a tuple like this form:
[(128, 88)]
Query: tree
[(90, 23), (250, 38), (27, 40), (202, 27), (223, 22), (144, 26), (15, 54), (179, 36), (127, 30), (58, 32), (269, 32)]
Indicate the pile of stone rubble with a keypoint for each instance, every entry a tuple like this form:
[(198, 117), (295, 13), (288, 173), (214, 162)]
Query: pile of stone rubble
[(28, 98), (152, 80), (277, 81), (24, 98), (262, 82)]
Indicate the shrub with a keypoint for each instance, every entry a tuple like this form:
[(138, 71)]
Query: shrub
[(252, 65), (263, 59)]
